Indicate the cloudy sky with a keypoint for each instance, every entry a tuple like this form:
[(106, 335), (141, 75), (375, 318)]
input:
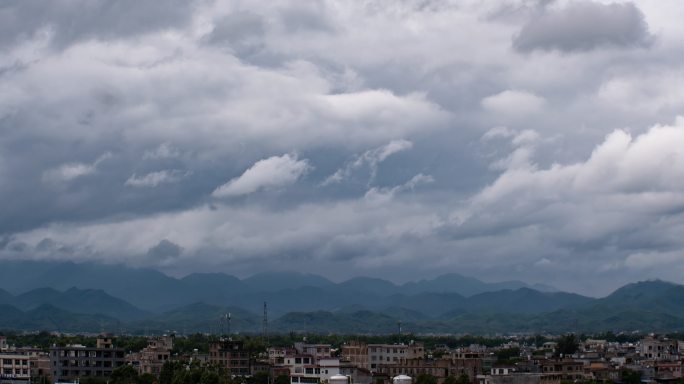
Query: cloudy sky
[(518, 139)]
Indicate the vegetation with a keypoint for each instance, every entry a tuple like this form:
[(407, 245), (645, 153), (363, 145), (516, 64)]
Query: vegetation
[(567, 345)]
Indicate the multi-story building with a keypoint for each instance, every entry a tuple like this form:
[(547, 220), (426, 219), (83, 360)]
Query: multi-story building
[(569, 369), (318, 351), (509, 375), (14, 367), (371, 356), (231, 355), (276, 355), (356, 353), (306, 369), (77, 361), (439, 368), (152, 358), (384, 354), (655, 348)]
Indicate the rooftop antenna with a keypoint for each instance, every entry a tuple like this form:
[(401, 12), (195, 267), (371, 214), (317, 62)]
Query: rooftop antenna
[(225, 322), (264, 324)]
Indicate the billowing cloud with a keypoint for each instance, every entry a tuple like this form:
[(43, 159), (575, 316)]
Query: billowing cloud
[(585, 25), (273, 172), (415, 154)]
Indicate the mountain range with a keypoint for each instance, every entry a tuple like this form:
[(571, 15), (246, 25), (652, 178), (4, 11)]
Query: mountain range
[(95, 297)]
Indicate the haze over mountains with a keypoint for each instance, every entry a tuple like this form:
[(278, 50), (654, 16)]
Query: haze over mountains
[(96, 297)]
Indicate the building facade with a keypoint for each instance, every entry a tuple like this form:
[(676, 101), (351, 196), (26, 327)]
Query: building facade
[(230, 355), (77, 361)]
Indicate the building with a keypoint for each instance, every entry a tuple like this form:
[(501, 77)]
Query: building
[(656, 348), (152, 358), (317, 351), (230, 355), (509, 375), (77, 361), (14, 367), (439, 368), (371, 356), (306, 369), (356, 353)]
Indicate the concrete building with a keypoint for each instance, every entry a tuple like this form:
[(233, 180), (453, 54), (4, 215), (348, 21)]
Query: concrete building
[(657, 348), (318, 351), (355, 353), (77, 361), (14, 367), (439, 368), (371, 356), (231, 355), (152, 358), (509, 375)]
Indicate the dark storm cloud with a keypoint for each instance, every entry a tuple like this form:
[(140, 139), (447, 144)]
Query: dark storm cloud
[(164, 251), (72, 20), (585, 25)]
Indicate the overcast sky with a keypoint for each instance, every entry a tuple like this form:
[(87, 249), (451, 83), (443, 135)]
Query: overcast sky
[(518, 139)]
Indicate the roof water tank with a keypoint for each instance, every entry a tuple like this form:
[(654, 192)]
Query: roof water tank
[(402, 379), (338, 379)]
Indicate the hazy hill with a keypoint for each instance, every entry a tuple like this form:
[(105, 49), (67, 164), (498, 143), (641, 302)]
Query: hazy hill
[(50, 318), (278, 281), (84, 301), (200, 317)]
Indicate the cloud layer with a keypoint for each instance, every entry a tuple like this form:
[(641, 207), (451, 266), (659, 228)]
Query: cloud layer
[(538, 142)]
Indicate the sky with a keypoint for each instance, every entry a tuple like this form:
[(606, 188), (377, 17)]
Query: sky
[(535, 140)]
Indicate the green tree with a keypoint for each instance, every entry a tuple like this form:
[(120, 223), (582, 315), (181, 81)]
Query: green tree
[(567, 345), (147, 378), (124, 374), (426, 378), (631, 377), (282, 379)]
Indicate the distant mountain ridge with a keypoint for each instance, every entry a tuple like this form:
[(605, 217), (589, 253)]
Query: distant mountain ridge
[(84, 301), (91, 297), (154, 291)]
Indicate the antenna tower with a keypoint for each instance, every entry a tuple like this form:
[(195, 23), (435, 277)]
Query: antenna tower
[(264, 324)]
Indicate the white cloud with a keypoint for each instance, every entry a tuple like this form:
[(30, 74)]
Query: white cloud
[(513, 103), (371, 158), (153, 179), (70, 171), (626, 183), (276, 171), (381, 195)]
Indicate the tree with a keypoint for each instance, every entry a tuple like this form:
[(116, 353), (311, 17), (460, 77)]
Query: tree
[(124, 374), (426, 378), (631, 377), (282, 379), (147, 378), (567, 345), (462, 379)]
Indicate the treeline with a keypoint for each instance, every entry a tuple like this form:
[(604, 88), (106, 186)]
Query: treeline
[(257, 344)]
